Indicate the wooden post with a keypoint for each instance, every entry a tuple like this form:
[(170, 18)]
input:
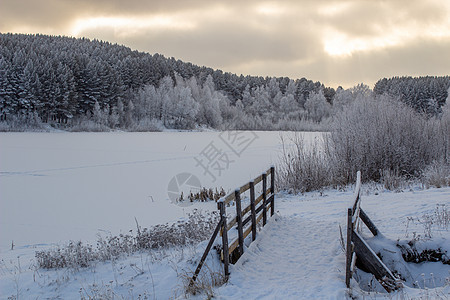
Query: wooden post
[(264, 181), (226, 255), (349, 250), (253, 210), (272, 190), (237, 196)]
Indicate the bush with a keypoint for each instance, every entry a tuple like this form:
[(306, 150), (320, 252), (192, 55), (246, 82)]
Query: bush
[(382, 134), (304, 166), (437, 175), (196, 228), (87, 125), (383, 138), (29, 121)]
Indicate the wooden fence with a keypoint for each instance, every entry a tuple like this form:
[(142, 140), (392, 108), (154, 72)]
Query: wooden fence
[(245, 221), (358, 249)]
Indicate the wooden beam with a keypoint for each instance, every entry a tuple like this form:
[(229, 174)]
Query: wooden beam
[(235, 243), (228, 198), (264, 181), (244, 211), (373, 263), (244, 188), (257, 179), (225, 252), (368, 222), (253, 209), (272, 190), (205, 254), (349, 248), (239, 222), (357, 192)]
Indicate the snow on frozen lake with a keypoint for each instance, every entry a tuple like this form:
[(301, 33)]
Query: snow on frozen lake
[(56, 187)]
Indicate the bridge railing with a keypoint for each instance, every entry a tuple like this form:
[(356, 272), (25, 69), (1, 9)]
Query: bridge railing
[(358, 249), (244, 221)]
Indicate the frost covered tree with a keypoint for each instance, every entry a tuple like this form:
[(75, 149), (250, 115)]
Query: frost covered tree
[(341, 99), (317, 106), (185, 107), (416, 92), (67, 80)]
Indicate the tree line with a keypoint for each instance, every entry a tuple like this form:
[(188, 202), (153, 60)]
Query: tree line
[(95, 85)]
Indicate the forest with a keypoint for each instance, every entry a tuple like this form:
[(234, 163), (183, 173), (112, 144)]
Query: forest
[(79, 84)]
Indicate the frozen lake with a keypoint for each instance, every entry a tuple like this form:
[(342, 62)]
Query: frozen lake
[(56, 187)]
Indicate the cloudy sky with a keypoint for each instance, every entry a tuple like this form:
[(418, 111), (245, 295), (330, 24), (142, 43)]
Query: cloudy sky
[(338, 42)]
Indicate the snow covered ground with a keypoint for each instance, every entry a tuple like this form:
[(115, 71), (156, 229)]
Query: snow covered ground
[(57, 187), (60, 186), (298, 255)]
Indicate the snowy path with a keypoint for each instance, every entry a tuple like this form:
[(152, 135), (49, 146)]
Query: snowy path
[(296, 256)]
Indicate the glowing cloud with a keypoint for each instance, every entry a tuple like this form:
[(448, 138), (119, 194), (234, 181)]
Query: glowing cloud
[(338, 43), (125, 26)]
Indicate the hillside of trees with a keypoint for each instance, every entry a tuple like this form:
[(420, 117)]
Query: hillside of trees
[(424, 94), (79, 84)]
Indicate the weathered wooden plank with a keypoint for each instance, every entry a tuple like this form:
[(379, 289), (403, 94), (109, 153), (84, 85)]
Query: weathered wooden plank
[(225, 251), (264, 192), (259, 208), (257, 179), (356, 208), (239, 222), (246, 209), (227, 199), (357, 192), (365, 218), (244, 188), (233, 246), (257, 200), (246, 220), (253, 209), (233, 221), (272, 189), (235, 243), (247, 231), (349, 250), (205, 254), (259, 218), (373, 263)]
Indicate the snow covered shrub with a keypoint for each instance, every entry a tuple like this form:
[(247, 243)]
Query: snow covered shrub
[(146, 125), (382, 137), (391, 180), (205, 283), (437, 175), (381, 134), (196, 228), (22, 122), (87, 125), (204, 195), (438, 221), (74, 255), (304, 166)]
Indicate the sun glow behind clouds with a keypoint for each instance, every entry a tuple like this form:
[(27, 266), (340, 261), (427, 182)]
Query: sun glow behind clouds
[(337, 43), (270, 9), (126, 26)]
